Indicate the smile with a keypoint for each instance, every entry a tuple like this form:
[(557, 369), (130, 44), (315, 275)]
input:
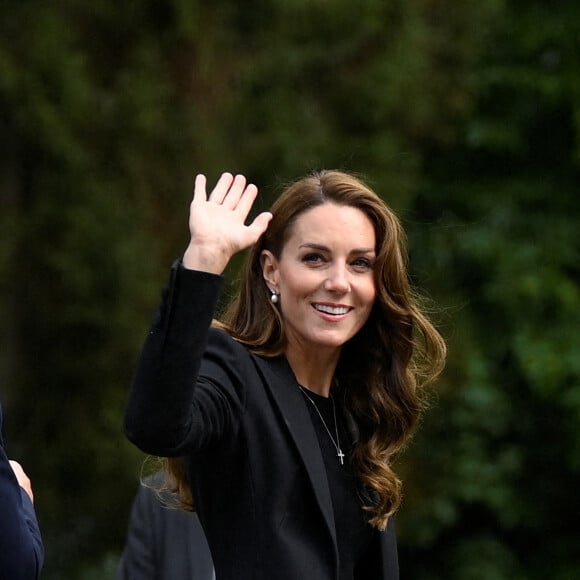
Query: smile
[(335, 310)]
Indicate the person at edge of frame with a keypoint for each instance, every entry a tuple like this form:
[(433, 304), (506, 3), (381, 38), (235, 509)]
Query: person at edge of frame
[(21, 546), (163, 542)]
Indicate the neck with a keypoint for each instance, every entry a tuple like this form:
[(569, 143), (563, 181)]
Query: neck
[(314, 373), (313, 367)]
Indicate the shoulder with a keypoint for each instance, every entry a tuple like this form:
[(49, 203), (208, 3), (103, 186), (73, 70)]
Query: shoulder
[(228, 361), (220, 342), (219, 334)]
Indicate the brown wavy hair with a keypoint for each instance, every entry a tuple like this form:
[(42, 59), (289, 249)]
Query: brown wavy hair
[(383, 369)]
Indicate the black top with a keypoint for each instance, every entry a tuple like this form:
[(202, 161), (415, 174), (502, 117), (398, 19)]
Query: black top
[(353, 533), (256, 469)]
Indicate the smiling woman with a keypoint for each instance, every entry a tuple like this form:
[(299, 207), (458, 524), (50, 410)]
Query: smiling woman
[(326, 287), (322, 354)]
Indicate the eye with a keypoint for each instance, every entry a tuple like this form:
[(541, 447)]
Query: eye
[(363, 264), (313, 258)]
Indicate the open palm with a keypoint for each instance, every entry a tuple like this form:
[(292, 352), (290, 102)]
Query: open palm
[(217, 222)]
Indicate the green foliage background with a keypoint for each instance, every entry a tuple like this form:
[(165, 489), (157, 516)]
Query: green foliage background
[(464, 116)]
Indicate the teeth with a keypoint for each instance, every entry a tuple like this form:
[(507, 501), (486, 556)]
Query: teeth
[(331, 309)]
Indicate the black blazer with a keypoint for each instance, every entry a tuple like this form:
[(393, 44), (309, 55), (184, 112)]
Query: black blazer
[(21, 548), (255, 464), (163, 543)]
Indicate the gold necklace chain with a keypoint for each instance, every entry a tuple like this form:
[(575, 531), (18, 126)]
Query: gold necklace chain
[(336, 443)]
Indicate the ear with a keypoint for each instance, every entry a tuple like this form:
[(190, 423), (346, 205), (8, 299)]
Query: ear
[(269, 269)]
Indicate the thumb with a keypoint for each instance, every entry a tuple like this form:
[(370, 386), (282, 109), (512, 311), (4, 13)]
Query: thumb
[(260, 224)]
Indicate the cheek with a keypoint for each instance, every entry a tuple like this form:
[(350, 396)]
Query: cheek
[(369, 303), (298, 284), (369, 293), (368, 309)]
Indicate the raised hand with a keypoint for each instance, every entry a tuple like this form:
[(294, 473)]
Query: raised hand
[(217, 222)]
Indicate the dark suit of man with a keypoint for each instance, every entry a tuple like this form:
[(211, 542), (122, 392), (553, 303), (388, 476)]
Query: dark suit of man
[(255, 465), (163, 543), (21, 549)]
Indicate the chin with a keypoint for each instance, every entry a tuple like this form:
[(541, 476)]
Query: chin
[(331, 342)]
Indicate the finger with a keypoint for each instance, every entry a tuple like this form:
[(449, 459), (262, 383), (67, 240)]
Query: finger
[(260, 224), (246, 200), (236, 191), (221, 188), (15, 465), (199, 193)]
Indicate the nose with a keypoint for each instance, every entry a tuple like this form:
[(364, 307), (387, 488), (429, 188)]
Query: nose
[(337, 280)]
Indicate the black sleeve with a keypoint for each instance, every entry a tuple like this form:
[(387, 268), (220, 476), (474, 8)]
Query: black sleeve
[(173, 408)]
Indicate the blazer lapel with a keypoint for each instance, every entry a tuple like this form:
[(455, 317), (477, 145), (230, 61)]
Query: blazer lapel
[(282, 383)]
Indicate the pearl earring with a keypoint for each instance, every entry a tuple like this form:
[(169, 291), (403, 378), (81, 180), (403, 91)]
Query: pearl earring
[(274, 297)]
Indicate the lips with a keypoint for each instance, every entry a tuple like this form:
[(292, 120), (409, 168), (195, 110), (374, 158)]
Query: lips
[(334, 310)]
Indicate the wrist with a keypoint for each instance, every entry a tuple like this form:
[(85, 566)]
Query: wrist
[(204, 259)]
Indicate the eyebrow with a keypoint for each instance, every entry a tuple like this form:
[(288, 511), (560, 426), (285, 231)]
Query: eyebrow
[(324, 248)]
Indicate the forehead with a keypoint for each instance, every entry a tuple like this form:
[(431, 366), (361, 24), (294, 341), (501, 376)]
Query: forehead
[(331, 222)]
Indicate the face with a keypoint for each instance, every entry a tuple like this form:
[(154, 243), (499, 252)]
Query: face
[(324, 277)]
